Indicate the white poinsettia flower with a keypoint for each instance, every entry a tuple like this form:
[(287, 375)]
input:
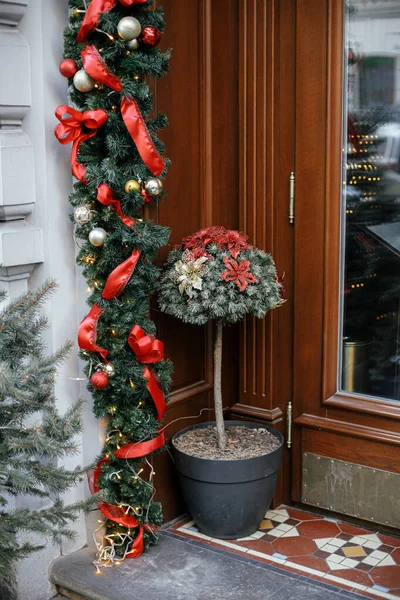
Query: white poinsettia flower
[(188, 273)]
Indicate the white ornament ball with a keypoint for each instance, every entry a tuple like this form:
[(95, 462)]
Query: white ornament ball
[(83, 82), (133, 44), (97, 236), (82, 214), (154, 186), (129, 28), (109, 369)]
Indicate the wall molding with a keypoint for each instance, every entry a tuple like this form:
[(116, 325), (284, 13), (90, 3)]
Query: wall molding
[(271, 416), (349, 429), (21, 244)]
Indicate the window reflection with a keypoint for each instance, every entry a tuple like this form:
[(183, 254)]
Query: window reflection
[(371, 198)]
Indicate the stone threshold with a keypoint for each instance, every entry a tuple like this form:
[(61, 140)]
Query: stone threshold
[(178, 569)]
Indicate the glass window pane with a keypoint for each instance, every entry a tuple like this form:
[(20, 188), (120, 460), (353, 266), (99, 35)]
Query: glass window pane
[(370, 324)]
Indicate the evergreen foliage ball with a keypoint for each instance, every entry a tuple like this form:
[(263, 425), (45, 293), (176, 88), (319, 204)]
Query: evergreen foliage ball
[(216, 274)]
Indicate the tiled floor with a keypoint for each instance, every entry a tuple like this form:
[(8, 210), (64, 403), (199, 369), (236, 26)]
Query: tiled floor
[(324, 549)]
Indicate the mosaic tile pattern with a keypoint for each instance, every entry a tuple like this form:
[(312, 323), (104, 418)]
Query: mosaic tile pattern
[(323, 549)]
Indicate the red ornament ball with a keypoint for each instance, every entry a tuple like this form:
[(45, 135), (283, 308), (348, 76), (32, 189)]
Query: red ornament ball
[(68, 67), (99, 380), (150, 36)]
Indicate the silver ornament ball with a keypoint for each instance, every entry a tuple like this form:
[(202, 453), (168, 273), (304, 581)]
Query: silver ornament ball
[(83, 82), (129, 28), (133, 44), (109, 369), (154, 186), (82, 214), (97, 236)]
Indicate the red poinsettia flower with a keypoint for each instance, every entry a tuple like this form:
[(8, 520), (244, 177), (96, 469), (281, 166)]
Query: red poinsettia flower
[(239, 273), (202, 238), (234, 241)]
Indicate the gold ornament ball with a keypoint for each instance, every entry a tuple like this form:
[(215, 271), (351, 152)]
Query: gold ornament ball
[(83, 82), (109, 369), (97, 236), (154, 186), (129, 28), (132, 186)]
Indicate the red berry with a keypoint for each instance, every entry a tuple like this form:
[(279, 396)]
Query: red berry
[(99, 380), (68, 67)]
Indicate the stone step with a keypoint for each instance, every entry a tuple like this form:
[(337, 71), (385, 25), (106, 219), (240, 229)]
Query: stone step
[(178, 569)]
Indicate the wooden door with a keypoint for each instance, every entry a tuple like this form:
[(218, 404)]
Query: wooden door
[(200, 97), (229, 97), (355, 435)]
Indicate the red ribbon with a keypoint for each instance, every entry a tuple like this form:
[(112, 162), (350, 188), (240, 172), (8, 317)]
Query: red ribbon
[(98, 70), (120, 277), (137, 128), (118, 515), (70, 130), (137, 450), (87, 332), (105, 196), (149, 350), (95, 8)]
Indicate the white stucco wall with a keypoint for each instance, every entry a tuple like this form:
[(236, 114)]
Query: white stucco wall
[(36, 240)]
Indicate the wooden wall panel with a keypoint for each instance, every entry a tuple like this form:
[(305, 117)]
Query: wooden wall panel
[(200, 97)]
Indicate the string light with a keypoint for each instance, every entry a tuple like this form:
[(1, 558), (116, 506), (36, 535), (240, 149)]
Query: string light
[(110, 37)]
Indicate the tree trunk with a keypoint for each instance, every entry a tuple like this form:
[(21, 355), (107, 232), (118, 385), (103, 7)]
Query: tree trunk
[(219, 413)]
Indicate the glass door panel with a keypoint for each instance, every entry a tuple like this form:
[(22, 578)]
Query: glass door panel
[(370, 323)]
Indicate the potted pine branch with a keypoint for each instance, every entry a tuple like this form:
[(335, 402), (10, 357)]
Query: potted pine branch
[(228, 470)]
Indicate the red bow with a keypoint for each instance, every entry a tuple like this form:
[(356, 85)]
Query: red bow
[(105, 196), (149, 350), (98, 70), (70, 130), (146, 347), (95, 8)]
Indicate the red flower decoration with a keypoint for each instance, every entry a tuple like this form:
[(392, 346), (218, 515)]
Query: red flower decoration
[(234, 241), (202, 238), (225, 239), (239, 273)]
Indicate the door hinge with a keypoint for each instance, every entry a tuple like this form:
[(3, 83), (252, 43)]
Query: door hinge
[(289, 421), (291, 196)]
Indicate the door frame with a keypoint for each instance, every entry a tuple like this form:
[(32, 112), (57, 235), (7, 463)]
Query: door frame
[(318, 406)]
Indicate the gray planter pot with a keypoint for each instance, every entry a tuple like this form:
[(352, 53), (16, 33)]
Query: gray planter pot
[(228, 498)]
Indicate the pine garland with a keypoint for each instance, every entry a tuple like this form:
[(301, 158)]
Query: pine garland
[(112, 158)]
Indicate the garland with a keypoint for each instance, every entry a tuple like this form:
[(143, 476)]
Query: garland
[(131, 390)]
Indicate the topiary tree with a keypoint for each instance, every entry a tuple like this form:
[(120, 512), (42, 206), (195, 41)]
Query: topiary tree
[(216, 274)]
